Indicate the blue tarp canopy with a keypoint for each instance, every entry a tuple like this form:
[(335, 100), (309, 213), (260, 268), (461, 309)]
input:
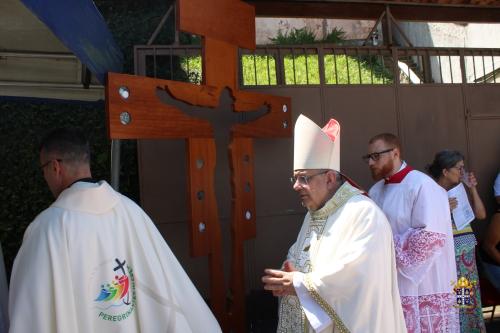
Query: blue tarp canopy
[(82, 29)]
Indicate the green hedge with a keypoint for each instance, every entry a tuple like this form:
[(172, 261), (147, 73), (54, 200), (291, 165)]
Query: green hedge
[(301, 69), (23, 192)]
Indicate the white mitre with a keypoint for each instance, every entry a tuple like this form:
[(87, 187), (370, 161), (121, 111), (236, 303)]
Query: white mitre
[(316, 148)]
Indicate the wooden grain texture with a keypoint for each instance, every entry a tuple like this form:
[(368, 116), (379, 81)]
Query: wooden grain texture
[(224, 25), (242, 184), (150, 117), (202, 205), (201, 157), (230, 21), (243, 225), (220, 63), (275, 124)]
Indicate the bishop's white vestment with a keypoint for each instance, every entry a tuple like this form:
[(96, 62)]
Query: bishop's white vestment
[(347, 283), (419, 214), (94, 262)]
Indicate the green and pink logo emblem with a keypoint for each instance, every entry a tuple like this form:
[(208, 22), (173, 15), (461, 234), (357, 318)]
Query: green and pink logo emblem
[(116, 299)]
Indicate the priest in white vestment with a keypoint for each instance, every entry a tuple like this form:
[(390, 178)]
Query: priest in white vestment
[(94, 261), (340, 274), (419, 214)]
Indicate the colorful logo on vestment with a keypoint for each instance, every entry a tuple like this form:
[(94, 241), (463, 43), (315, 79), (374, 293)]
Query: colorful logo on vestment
[(464, 292), (116, 300)]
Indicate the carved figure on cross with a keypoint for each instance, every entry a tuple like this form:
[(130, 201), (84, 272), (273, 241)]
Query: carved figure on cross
[(202, 115)]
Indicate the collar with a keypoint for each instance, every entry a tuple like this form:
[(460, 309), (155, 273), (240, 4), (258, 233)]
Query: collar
[(343, 194), (400, 175), (86, 180), (354, 184), (93, 198)]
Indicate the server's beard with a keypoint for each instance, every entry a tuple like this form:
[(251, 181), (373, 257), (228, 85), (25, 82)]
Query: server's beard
[(382, 171)]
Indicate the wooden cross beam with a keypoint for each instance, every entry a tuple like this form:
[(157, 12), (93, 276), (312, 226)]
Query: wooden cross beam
[(163, 109)]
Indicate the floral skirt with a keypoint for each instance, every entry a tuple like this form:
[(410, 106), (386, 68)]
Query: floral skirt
[(471, 318)]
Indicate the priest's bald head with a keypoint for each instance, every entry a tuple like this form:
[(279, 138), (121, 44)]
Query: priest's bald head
[(64, 158), (316, 162)]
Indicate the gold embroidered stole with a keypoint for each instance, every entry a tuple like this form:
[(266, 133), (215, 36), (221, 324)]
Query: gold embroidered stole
[(291, 316)]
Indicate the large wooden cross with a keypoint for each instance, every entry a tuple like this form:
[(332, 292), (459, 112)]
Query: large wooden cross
[(198, 114)]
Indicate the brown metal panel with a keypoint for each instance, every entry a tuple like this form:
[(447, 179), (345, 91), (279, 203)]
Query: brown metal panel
[(275, 236), (274, 159), (175, 235), (163, 198), (362, 111), (483, 100), (371, 10), (432, 119), (485, 157), (203, 17), (446, 14), (277, 8), (162, 174), (483, 118)]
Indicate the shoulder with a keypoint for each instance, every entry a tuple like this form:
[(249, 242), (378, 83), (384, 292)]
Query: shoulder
[(130, 205), (420, 181), (418, 177), (122, 199), (362, 212), (363, 207), (47, 220), (44, 232), (133, 213), (376, 187)]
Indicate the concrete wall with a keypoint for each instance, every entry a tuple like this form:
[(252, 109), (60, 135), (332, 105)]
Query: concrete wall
[(457, 35), (268, 27)]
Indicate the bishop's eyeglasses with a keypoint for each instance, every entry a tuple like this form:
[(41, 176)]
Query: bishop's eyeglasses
[(376, 155), (304, 180)]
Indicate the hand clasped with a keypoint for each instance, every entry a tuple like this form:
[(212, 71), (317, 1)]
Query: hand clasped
[(279, 282)]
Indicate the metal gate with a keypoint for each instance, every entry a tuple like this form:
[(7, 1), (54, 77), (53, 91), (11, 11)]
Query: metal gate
[(433, 98)]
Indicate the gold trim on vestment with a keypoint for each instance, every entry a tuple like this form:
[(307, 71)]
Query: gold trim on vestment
[(343, 194), (290, 309), (337, 321)]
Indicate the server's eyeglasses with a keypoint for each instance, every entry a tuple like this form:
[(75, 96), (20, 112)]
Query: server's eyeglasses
[(376, 155)]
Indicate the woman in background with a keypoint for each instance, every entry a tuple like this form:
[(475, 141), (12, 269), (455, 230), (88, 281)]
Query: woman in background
[(490, 249), (447, 169)]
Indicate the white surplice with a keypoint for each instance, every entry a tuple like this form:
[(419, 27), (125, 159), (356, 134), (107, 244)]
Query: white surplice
[(348, 281), (94, 262), (419, 214)]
